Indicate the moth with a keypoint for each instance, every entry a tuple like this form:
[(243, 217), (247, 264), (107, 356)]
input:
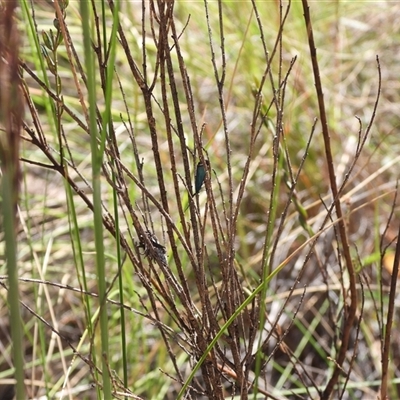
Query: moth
[(200, 176), (157, 253)]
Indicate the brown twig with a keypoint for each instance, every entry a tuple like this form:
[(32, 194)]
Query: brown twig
[(352, 308), (389, 321)]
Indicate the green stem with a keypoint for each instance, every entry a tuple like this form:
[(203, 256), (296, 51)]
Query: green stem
[(97, 158), (8, 195)]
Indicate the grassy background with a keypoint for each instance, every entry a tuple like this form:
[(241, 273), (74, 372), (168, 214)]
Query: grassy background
[(153, 345)]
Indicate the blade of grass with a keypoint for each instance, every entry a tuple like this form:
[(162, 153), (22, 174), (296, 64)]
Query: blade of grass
[(11, 115), (8, 193), (97, 157), (38, 60), (107, 121)]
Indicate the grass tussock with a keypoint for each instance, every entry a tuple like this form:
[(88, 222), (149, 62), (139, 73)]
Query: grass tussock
[(208, 201)]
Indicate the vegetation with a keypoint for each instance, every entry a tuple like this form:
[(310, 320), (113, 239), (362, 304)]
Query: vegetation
[(207, 200)]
